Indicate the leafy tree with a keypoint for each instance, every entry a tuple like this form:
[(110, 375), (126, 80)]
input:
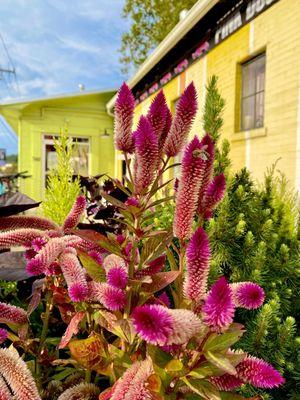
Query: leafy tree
[(150, 22)]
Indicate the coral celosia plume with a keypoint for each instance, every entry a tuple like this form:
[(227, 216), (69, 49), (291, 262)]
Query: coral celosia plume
[(197, 266), (74, 275), (184, 116), (218, 309), (12, 315), (146, 154), (20, 237), (124, 107), (3, 336), (26, 221), (75, 214), (133, 384), (17, 375), (5, 393), (192, 170), (82, 391)]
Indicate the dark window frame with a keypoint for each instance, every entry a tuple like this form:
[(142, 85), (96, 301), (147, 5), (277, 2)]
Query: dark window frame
[(255, 94)]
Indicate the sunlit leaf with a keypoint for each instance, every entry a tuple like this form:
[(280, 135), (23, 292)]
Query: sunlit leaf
[(160, 281), (203, 388), (220, 361), (95, 271), (72, 329)]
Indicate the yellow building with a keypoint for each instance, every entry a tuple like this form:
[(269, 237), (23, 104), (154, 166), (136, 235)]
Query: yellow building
[(38, 122), (253, 46)]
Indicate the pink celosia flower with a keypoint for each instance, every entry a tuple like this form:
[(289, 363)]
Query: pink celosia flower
[(259, 373), (197, 266), (12, 315), (20, 237), (146, 155), (3, 336), (153, 267), (83, 391), (159, 325), (226, 382), (165, 299), (192, 170), (74, 275), (5, 393), (184, 116), (165, 131), (133, 384), (124, 107), (46, 256), (16, 373), (214, 194), (132, 201), (26, 221), (29, 254), (38, 243), (248, 295), (96, 256), (218, 309), (157, 113), (111, 297), (117, 277), (75, 214), (120, 238), (208, 146), (112, 261)]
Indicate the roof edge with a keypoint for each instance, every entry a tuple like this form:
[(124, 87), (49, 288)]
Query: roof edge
[(198, 11)]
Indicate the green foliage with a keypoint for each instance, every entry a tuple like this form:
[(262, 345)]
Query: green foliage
[(150, 22), (62, 189), (254, 238)]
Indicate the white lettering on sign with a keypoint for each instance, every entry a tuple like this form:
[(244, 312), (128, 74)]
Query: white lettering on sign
[(229, 27), (255, 7)]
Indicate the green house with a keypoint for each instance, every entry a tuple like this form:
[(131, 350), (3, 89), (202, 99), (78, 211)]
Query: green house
[(37, 122)]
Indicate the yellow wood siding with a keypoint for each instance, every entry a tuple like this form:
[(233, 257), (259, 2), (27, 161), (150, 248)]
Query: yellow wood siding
[(277, 32)]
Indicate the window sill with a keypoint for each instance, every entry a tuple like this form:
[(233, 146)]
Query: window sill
[(251, 134)]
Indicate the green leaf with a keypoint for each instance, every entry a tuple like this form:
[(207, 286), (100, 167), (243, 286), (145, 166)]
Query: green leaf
[(217, 342), (174, 366), (233, 396), (220, 361), (172, 260), (95, 271), (206, 369), (159, 357), (160, 201), (203, 388)]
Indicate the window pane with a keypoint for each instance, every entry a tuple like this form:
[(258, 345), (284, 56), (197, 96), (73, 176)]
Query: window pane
[(248, 107), (260, 74), (259, 110), (248, 79), (80, 159)]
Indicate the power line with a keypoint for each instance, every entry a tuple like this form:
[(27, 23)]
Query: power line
[(9, 71)]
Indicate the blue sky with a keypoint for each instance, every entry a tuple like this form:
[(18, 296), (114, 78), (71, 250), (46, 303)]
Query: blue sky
[(57, 44)]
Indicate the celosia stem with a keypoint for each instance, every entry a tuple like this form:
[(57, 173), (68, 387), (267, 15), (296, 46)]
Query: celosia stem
[(49, 304), (88, 376), (182, 249), (127, 162)]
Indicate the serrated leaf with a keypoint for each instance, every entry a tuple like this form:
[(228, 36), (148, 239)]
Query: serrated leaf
[(220, 361), (95, 271), (203, 388)]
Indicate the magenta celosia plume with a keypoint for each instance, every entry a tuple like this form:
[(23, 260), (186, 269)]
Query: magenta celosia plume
[(74, 275), (248, 295), (214, 194), (259, 373), (184, 116), (218, 309), (192, 170), (124, 107), (226, 382), (146, 155), (133, 384), (111, 297), (208, 146), (75, 214), (157, 114), (26, 221), (117, 277), (159, 325), (17, 375), (197, 266), (12, 315), (3, 336)]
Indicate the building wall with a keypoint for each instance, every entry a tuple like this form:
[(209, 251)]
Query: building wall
[(276, 31), (81, 118)]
